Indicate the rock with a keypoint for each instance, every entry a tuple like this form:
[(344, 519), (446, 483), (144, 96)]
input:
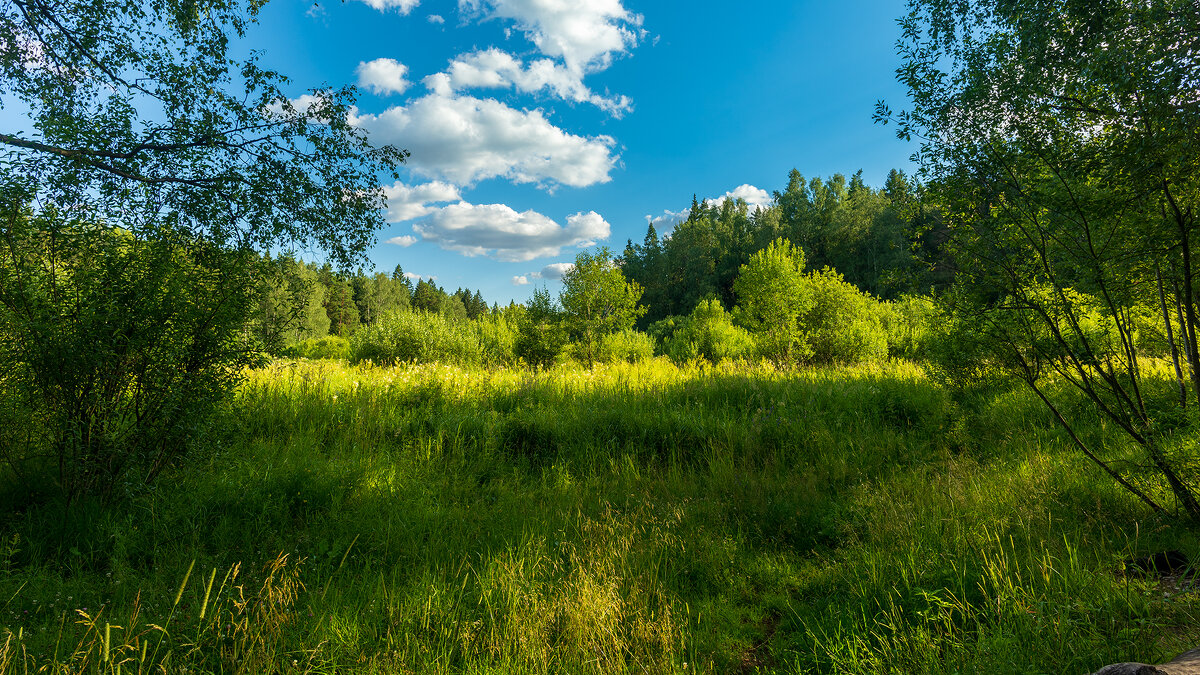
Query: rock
[(1187, 663)]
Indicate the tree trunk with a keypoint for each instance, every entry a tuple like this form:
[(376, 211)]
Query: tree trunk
[(1162, 299)]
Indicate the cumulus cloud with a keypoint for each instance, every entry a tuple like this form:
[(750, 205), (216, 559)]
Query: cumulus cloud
[(383, 76), (500, 232), (406, 202), (754, 197), (401, 6), (496, 69), (520, 280), (464, 139), (585, 34), (554, 271), (404, 240), (417, 277), (667, 221), (436, 18)]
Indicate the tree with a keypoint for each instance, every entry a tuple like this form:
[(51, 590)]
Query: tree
[(140, 116), (152, 167), (116, 348), (290, 305), (427, 297), (772, 296), (597, 300), (1059, 143), (542, 336)]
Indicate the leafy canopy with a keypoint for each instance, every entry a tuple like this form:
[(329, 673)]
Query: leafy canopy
[(140, 114)]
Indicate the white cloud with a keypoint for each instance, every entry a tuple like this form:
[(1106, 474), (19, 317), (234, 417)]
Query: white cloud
[(305, 104), (554, 271), (415, 277), (585, 34), (383, 76), (754, 197), (499, 232), (401, 6), (665, 223), (405, 202), (464, 139), (436, 18), (497, 69), (404, 240), (520, 281)]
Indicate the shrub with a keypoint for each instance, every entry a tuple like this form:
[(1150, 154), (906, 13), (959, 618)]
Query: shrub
[(118, 347), (708, 333), (909, 322), (844, 324), (328, 347), (542, 336), (773, 294), (498, 337), (422, 337), (628, 345)]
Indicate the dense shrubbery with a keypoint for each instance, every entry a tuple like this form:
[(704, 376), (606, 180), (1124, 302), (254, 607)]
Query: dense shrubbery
[(910, 322), (416, 337), (629, 345), (117, 348), (541, 335), (845, 325), (328, 347), (707, 333), (423, 337)]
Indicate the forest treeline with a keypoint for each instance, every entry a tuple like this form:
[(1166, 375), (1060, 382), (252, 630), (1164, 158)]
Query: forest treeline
[(300, 301), (881, 240), (865, 257)]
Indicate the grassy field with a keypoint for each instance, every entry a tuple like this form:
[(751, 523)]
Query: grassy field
[(644, 519)]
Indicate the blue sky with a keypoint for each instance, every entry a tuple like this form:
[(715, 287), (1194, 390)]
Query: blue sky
[(540, 127)]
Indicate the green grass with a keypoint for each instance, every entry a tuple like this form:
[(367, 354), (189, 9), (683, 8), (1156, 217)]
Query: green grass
[(636, 518)]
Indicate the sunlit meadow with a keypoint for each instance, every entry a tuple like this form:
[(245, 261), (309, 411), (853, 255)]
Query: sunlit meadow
[(633, 518)]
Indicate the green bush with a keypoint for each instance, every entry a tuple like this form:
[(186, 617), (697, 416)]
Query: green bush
[(708, 333), (498, 337), (909, 322), (628, 345), (118, 348), (417, 337), (844, 325), (426, 337), (542, 335), (328, 347)]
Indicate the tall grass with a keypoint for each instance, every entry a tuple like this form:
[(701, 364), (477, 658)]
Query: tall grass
[(632, 518)]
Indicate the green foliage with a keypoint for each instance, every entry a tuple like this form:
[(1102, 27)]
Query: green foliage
[(844, 325), (144, 116), (291, 304), (1059, 146), (772, 296), (910, 321), (423, 337), (498, 336), (542, 333), (597, 301), (628, 346), (883, 241), (707, 333), (631, 518), (416, 337), (118, 348), (328, 347)]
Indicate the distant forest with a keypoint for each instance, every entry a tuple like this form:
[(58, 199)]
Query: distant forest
[(881, 240)]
